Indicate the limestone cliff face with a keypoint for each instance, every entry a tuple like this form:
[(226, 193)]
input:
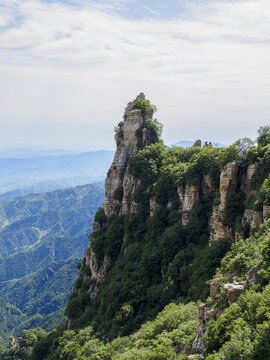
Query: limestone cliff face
[(188, 196), (253, 218), (230, 179), (119, 179), (228, 184), (120, 185), (209, 311)]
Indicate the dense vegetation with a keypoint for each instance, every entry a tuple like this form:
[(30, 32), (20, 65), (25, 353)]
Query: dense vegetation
[(169, 335), (243, 331), (156, 261)]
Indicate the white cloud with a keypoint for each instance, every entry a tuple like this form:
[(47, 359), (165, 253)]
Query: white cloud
[(208, 73)]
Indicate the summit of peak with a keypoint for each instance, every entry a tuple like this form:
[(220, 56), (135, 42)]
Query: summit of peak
[(140, 96)]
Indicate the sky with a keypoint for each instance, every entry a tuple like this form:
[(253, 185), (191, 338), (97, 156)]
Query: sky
[(68, 69)]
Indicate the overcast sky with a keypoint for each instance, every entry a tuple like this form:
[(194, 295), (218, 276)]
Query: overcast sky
[(68, 69)]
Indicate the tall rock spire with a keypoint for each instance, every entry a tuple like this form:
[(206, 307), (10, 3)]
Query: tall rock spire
[(120, 184), (130, 135)]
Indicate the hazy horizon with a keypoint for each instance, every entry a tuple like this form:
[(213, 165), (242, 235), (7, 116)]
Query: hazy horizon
[(81, 148)]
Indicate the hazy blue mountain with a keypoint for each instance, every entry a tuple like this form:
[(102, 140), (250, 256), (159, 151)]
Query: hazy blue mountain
[(188, 143), (42, 238), (50, 172), (47, 186), (29, 220), (21, 153)]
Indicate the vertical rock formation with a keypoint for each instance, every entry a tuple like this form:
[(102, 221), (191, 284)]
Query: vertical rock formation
[(228, 184), (251, 170), (228, 181), (188, 196), (120, 184)]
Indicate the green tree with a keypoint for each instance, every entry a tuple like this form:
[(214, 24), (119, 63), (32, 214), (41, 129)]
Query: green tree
[(263, 138)]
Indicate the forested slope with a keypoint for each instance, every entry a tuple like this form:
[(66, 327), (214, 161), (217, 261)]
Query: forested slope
[(173, 218)]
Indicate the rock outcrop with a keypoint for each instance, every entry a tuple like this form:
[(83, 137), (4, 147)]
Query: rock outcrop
[(120, 184), (228, 181), (266, 212), (215, 286), (253, 218), (209, 311), (251, 170), (252, 275), (217, 229), (228, 184), (233, 291), (188, 196), (198, 143)]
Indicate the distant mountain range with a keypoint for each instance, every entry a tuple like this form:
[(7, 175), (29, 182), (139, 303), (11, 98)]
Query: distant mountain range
[(51, 170), (42, 238), (25, 153), (188, 143)]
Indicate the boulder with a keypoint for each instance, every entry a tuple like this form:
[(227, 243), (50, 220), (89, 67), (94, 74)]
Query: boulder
[(233, 291)]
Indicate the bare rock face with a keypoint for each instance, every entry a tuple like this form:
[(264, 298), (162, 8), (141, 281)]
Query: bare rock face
[(207, 312), (217, 229), (215, 286), (253, 218), (233, 291), (191, 197), (98, 274), (252, 275), (198, 143), (251, 170), (95, 226), (207, 187), (119, 178), (188, 197), (228, 181), (228, 184), (266, 212)]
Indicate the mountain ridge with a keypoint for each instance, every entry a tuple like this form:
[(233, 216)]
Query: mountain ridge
[(58, 224)]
